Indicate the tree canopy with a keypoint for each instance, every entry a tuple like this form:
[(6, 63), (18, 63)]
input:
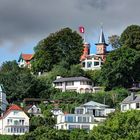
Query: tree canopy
[(121, 68), (119, 126), (62, 45), (131, 37)]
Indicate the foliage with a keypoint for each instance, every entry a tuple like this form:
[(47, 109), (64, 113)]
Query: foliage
[(131, 37), (121, 68), (114, 41), (62, 45), (94, 75), (120, 126), (46, 133), (7, 137), (20, 83), (9, 66)]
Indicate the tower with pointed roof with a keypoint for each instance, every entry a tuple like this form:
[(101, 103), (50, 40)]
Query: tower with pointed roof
[(101, 46)]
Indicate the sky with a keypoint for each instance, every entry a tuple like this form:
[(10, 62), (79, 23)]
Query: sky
[(23, 23)]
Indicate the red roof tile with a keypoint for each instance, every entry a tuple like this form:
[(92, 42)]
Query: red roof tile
[(12, 107), (27, 56)]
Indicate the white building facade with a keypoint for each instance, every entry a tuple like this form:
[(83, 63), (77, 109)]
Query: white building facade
[(100, 111), (72, 121), (92, 62), (86, 116), (131, 102), (3, 101), (78, 84), (14, 121)]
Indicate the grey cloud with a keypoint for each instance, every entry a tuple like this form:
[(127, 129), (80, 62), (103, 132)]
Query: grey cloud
[(27, 20)]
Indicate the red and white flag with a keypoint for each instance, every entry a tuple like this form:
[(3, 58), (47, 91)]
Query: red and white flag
[(81, 29)]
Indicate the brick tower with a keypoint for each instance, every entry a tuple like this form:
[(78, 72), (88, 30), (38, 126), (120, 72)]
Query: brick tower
[(101, 46)]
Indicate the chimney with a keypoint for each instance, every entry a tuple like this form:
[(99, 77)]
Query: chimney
[(58, 77), (132, 96)]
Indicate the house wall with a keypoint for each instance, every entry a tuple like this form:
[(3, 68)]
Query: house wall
[(125, 107), (3, 101), (16, 122), (85, 122), (89, 64), (76, 87)]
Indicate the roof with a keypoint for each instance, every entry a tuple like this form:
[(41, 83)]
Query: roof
[(129, 99), (92, 103), (68, 79), (11, 108), (101, 38), (26, 57)]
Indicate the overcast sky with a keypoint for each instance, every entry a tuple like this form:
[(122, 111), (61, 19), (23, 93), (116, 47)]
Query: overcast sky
[(23, 23)]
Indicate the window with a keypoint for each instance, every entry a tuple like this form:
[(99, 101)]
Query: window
[(79, 111), (15, 112), (21, 122), (137, 105), (8, 130), (85, 127), (70, 118), (124, 107), (58, 84), (16, 122), (79, 119), (83, 64), (9, 121), (70, 83), (89, 64), (96, 63)]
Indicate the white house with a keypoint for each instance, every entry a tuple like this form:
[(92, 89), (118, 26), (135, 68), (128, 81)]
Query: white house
[(94, 61), (14, 121), (57, 111), (71, 121), (78, 84), (3, 101), (131, 102), (25, 60), (33, 110), (86, 116), (100, 111)]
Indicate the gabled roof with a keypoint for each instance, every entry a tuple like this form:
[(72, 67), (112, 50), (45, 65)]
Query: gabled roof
[(11, 108), (68, 79), (26, 57), (129, 99), (92, 103)]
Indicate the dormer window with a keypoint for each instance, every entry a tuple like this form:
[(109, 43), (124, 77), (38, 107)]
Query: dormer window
[(137, 105)]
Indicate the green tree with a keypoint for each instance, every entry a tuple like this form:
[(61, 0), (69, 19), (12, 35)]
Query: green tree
[(94, 75), (121, 68), (9, 66), (131, 37), (119, 126), (20, 83), (62, 45), (114, 41)]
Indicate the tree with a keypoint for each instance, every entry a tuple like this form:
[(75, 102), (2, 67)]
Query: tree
[(114, 41), (94, 75), (20, 83), (121, 68), (9, 66), (131, 37), (62, 45), (119, 126)]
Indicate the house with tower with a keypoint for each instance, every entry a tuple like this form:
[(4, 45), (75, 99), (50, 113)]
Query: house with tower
[(95, 61)]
